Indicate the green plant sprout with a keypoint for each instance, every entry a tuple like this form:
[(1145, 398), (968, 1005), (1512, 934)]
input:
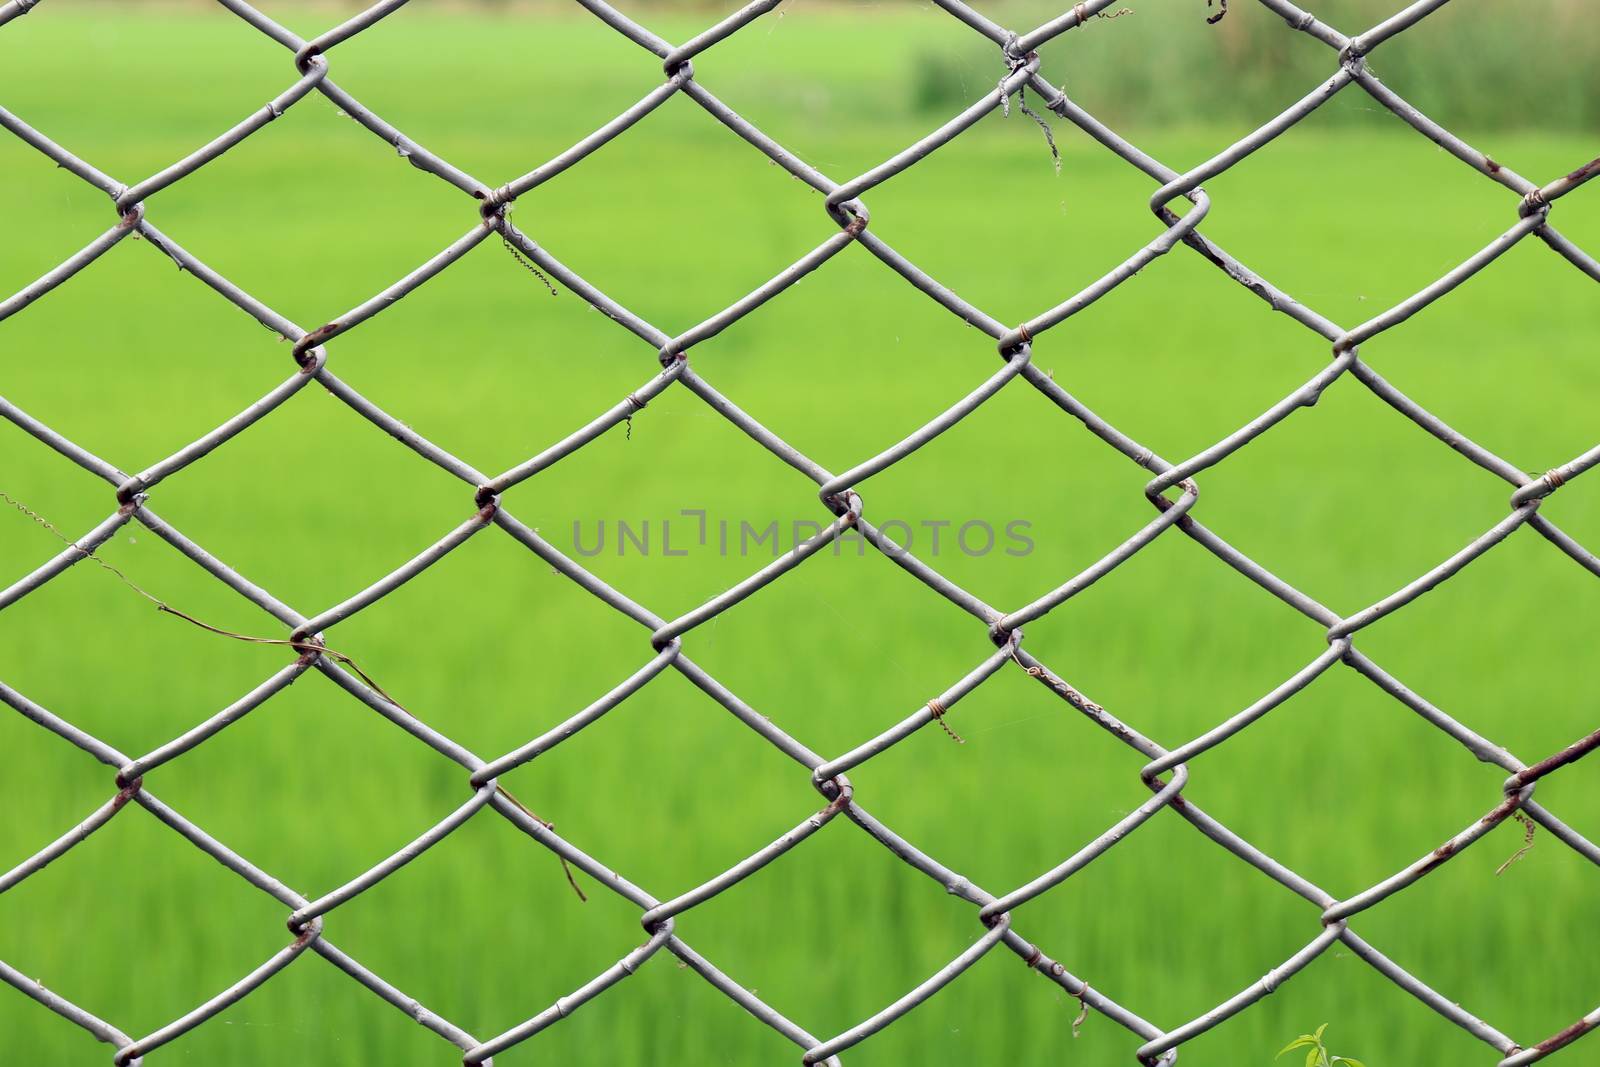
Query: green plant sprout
[(1317, 1054)]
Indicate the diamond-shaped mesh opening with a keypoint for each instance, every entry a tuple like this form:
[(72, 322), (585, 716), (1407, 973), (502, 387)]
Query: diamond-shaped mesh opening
[(187, 361), (1515, 633), (1356, 559), (81, 77), (640, 774), (132, 882), (1134, 895), (1549, 876), (530, 939), (1519, 315), (1283, 210), (395, 217)]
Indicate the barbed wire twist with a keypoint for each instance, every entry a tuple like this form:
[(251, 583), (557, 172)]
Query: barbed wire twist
[(1172, 490)]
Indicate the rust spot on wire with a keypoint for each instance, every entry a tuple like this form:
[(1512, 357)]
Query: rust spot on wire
[(312, 340), (843, 800), (1570, 754), (1439, 855), (1585, 172), (1565, 1037), (1501, 811)]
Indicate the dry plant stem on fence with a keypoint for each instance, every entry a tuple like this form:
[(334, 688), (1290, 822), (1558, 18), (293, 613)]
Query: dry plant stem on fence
[(1022, 104), (1528, 828), (516, 254), (307, 648), (1083, 1010), (1082, 11), (938, 716)]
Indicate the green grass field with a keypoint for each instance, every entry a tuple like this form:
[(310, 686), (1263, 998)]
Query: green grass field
[(1350, 212)]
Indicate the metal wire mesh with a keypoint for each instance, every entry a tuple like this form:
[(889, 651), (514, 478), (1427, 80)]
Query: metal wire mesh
[(1172, 490)]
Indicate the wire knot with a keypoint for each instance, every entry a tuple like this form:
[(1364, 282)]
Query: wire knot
[(306, 56), (302, 351), (129, 492)]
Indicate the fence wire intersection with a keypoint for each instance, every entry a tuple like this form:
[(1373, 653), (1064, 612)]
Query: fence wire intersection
[(1172, 490)]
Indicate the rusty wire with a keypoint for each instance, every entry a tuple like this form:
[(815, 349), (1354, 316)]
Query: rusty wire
[(1172, 490)]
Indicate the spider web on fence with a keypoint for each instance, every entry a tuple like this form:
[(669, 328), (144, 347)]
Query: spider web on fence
[(1172, 490)]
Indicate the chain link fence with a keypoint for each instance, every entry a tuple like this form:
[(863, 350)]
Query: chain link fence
[(1179, 203)]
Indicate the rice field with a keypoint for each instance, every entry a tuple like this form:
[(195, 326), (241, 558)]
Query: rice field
[(1350, 212)]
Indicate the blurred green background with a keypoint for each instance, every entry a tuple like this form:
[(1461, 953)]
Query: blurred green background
[(1349, 212)]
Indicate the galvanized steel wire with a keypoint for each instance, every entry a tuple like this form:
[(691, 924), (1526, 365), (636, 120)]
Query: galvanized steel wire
[(1172, 490)]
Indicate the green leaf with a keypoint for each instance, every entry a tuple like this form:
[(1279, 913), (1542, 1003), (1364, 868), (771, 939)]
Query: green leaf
[(1314, 1056), (1347, 1061), (1320, 1029), (1300, 1042)]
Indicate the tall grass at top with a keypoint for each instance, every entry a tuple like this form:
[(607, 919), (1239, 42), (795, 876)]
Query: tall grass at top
[(1534, 63)]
